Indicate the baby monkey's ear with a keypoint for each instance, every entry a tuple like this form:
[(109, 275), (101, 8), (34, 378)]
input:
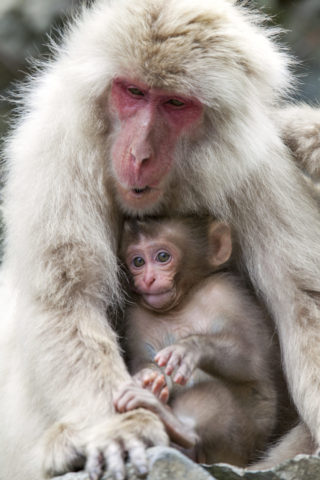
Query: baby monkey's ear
[(219, 242)]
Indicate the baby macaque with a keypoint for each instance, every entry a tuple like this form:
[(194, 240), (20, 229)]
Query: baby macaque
[(198, 342)]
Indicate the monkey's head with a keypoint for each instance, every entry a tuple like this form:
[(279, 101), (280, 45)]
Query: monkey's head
[(152, 122), (186, 86), (167, 257)]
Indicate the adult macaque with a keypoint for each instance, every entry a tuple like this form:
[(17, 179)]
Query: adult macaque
[(148, 106), (209, 334)]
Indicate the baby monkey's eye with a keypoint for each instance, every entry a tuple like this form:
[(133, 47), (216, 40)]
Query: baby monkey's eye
[(163, 257), (138, 262)]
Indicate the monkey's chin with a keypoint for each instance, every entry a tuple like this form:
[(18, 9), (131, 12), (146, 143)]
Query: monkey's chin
[(140, 200), (159, 301)]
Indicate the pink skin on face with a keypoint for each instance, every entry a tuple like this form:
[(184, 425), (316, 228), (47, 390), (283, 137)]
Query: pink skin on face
[(151, 122), (153, 265)]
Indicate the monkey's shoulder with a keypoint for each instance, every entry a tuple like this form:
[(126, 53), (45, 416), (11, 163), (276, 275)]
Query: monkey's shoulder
[(218, 285), (225, 296), (222, 289)]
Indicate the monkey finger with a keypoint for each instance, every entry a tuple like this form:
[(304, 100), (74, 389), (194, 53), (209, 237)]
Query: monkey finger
[(114, 455), (183, 374), (174, 362), (148, 378), (137, 455), (122, 402), (135, 397), (122, 391), (94, 464), (180, 379), (144, 400), (164, 395), (158, 384), (144, 376), (163, 356)]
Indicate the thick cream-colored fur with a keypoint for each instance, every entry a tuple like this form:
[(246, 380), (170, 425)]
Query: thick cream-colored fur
[(298, 440), (59, 358), (300, 128)]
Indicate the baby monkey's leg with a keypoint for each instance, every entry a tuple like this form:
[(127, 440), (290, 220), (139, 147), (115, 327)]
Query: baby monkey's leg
[(225, 431)]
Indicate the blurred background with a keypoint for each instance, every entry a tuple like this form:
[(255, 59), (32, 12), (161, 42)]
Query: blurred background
[(25, 24)]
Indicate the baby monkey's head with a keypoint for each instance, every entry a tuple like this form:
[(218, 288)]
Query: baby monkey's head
[(166, 257)]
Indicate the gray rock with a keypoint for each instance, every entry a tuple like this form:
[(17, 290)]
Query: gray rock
[(169, 464), (302, 467), (164, 464)]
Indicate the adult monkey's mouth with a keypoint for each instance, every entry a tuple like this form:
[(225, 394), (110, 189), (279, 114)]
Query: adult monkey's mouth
[(139, 197), (141, 191)]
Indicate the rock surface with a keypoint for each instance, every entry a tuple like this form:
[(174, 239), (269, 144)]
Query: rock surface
[(169, 464)]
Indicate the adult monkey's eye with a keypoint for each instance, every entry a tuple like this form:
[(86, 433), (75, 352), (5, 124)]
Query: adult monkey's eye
[(136, 92), (138, 262), (163, 257), (175, 102)]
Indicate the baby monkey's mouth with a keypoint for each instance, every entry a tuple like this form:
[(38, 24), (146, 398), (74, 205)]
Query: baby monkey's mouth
[(159, 299)]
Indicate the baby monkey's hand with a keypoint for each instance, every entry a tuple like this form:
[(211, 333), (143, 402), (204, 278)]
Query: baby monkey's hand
[(154, 381), (181, 358)]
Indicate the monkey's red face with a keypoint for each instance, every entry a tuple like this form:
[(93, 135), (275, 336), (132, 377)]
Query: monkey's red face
[(153, 265), (151, 123)]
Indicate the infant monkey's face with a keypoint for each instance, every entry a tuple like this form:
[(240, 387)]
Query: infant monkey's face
[(153, 264)]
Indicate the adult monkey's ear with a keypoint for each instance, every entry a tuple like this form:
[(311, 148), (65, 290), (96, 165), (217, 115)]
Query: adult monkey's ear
[(220, 243)]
